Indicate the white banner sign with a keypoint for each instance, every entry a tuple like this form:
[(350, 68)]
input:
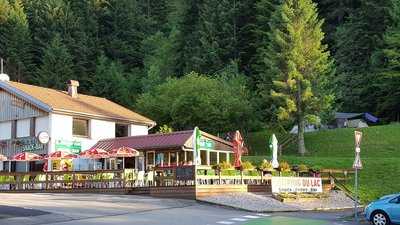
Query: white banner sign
[(296, 185)]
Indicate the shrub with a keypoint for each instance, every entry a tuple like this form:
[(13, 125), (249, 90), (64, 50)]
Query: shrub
[(246, 165), (284, 166), (316, 168), (225, 166), (266, 165), (303, 168)]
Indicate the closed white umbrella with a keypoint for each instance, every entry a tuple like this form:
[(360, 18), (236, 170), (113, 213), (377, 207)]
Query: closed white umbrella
[(274, 143)]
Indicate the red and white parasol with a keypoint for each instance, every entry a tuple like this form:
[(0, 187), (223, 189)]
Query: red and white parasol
[(26, 156), (60, 155), (124, 152), (94, 153)]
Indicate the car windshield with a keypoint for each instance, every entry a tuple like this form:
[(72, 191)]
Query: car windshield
[(389, 196)]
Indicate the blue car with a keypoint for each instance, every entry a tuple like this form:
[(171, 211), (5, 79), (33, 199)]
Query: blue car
[(384, 211)]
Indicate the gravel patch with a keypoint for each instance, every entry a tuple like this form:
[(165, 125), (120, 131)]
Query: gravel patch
[(336, 200), (262, 203)]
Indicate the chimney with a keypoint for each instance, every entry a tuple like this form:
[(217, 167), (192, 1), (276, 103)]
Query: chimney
[(73, 88)]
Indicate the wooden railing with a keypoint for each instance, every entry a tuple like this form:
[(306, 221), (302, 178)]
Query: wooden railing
[(128, 179)]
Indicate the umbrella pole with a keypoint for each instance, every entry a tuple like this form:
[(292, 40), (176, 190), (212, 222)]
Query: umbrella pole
[(123, 163), (26, 166), (9, 166)]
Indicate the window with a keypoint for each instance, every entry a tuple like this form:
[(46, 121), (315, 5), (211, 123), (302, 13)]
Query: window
[(189, 157), (213, 158), (203, 157), (159, 159), (121, 130), (172, 158), (181, 157), (150, 158), (80, 127), (222, 157), (166, 159)]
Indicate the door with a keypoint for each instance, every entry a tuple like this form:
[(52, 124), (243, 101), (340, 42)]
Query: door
[(394, 210)]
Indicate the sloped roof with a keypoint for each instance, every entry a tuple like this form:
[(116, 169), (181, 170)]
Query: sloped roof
[(86, 105), (342, 115), (174, 140), (146, 142)]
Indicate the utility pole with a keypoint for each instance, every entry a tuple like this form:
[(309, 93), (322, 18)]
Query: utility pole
[(357, 165)]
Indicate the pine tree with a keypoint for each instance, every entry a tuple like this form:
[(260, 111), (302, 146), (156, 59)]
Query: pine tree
[(218, 32), (356, 41), (57, 66), (109, 81), (299, 64), (122, 30), (387, 78), (15, 40)]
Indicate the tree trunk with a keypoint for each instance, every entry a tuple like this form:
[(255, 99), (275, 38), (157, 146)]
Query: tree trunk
[(300, 136), (301, 148)]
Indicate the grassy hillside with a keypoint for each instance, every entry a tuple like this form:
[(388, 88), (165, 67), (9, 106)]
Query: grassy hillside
[(380, 153)]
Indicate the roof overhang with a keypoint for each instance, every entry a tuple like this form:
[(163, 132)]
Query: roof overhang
[(22, 95)]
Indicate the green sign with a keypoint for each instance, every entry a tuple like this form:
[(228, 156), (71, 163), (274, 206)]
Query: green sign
[(29, 144), (74, 147), (207, 144)]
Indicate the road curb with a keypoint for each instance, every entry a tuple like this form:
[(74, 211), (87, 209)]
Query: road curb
[(276, 211)]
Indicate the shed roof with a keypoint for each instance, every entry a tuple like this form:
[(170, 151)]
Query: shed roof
[(342, 115), (173, 140)]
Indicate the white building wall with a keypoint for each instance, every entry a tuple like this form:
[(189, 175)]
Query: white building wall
[(101, 129), (60, 128), (23, 128), (5, 130), (135, 130)]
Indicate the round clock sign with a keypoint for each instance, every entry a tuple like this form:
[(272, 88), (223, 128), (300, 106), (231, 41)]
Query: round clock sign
[(43, 137)]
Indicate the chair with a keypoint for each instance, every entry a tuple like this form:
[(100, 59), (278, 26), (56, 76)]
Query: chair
[(140, 179), (150, 178)]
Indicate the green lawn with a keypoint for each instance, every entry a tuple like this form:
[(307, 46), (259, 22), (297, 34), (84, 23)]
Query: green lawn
[(380, 154)]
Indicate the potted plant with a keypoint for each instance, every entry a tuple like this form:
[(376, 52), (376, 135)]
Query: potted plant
[(316, 170), (266, 167), (303, 170), (284, 168)]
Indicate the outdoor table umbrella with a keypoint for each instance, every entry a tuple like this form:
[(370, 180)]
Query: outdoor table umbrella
[(124, 152), (94, 153), (61, 155), (26, 156)]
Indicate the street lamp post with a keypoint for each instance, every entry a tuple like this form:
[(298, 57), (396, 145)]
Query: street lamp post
[(357, 165)]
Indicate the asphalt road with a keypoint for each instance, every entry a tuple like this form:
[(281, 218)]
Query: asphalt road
[(99, 209)]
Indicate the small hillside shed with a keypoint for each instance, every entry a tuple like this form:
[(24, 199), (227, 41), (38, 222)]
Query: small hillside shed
[(354, 120)]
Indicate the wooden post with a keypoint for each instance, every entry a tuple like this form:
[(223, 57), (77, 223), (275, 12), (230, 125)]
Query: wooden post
[(73, 181), (47, 181), (219, 176)]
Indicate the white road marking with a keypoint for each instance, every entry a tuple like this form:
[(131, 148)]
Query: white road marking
[(225, 222), (261, 214), (251, 217), (239, 219)]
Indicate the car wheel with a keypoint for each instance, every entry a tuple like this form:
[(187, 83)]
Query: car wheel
[(380, 218)]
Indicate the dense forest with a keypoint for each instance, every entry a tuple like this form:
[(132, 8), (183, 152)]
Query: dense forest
[(219, 64)]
